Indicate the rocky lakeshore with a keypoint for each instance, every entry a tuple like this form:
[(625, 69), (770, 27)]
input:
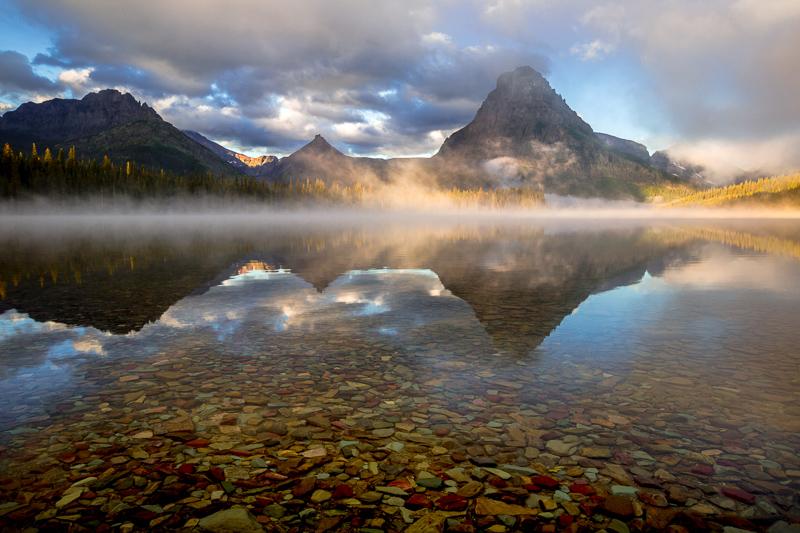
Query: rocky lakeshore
[(356, 444)]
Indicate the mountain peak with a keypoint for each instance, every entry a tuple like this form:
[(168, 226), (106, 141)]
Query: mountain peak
[(319, 145), (521, 113), (66, 119), (120, 102), (525, 76)]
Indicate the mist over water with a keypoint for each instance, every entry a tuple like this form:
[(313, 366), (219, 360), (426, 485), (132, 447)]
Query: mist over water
[(413, 206)]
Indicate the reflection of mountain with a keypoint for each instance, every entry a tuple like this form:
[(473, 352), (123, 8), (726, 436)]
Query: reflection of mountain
[(115, 286), (520, 283)]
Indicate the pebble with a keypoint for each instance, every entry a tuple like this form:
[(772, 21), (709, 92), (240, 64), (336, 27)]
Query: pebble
[(320, 495)]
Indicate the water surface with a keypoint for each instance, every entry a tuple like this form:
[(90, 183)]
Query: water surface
[(653, 357)]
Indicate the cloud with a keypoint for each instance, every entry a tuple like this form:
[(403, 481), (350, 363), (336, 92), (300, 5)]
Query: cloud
[(723, 158), (720, 70), (596, 49), (723, 72), (77, 79), (17, 76), (292, 70)]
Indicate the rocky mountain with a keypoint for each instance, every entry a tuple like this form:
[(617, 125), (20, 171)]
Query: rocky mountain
[(319, 160), (108, 122), (626, 148), (258, 166), (525, 134)]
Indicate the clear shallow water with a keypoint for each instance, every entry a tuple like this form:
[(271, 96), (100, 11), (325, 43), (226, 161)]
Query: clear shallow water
[(661, 357)]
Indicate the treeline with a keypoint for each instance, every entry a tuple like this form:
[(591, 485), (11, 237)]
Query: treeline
[(764, 190), (64, 175)]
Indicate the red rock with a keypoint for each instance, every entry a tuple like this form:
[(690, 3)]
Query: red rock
[(738, 494), (565, 520), (186, 469), (240, 453), (304, 486), (654, 498), (451, 502), (142, 471), (164, 468), (703, 470), (261, 501), (418, 501), (217, 473), (198, 443), (68, 457), (497, 482), (401, 484), (342, 491), (581, 488), (545, 481)]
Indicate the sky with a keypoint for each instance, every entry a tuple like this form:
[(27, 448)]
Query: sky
[(716, 81)]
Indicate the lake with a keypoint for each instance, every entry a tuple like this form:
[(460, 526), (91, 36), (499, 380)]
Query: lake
[(370, 373)]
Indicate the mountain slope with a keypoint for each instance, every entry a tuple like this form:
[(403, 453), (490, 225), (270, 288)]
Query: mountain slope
[(108, 122), (252, 166), (630, 149)]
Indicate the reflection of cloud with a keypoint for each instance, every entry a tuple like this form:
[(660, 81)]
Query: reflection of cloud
[(722, 269), (13, 323), (88, 346)]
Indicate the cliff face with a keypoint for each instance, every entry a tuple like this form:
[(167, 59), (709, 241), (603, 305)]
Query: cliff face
[(65, 120)]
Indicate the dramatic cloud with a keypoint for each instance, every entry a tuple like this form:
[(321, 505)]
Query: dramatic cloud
[(17, 76), (394, 78)]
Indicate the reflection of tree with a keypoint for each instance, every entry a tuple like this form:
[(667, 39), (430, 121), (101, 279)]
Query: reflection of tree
[(769, 244)]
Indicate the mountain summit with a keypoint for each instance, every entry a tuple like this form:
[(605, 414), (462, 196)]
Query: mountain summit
[(525, 134), (522, 111), (61, 120)]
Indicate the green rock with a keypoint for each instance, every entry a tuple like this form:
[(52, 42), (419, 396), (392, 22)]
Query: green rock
[(275, 510), (430, 482), (623, 490)]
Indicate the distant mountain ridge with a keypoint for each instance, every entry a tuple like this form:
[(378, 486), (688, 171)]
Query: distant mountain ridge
[(111, 123), (258, 166), (523, 135)]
